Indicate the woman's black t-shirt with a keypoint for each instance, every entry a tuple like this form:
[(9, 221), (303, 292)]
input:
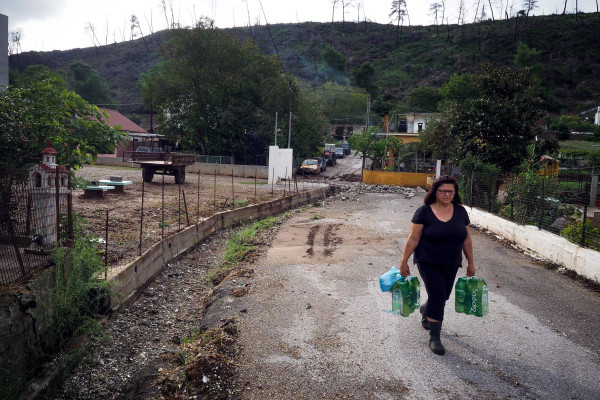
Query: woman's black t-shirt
[(441, 242)]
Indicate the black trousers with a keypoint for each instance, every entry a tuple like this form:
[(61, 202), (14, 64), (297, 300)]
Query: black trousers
[(438, 280)]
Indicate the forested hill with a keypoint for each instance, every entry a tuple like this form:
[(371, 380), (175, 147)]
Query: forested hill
[(404, 59)]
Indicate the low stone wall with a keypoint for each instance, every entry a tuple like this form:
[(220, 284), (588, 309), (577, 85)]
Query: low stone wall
[(133, 278), (407, 179), (550, 247), (242, 171)]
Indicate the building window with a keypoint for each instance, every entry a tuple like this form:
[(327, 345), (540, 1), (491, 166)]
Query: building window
[(37, 179), (63, 181), (420, 126), (49, 181)]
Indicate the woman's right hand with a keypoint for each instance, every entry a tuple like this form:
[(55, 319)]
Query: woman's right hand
[(404, 269)]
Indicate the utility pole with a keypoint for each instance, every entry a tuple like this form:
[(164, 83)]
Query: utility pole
[(276, 118), (368, 110), (290, 123)]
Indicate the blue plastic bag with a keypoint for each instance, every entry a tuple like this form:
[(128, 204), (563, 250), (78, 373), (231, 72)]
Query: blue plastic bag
[(387, 280)]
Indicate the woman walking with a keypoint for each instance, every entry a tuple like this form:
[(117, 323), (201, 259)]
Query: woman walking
[(439, 234)]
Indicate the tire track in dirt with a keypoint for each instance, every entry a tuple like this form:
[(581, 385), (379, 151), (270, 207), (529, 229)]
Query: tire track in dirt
[(311, 239), (330, 239)]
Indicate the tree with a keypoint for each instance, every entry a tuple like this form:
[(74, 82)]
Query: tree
[(217, 94), (364, 77), (399, 12), (459, 88), (497, 127), (89, 84), (40, 112), (434, 8), (366, 145), (424, 99), (334, 65), (340, 104), (527, 57)]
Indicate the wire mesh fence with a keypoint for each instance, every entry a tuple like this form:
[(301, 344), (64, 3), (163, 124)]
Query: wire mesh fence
[(406, 164), (35, 215), (564, 205), (260, 159)]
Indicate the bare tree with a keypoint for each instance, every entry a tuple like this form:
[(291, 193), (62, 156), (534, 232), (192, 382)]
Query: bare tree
[(434, 9), (91, 30), (345, 3), (529, 5), (461, 18), (399, 13), (14, 40), (333, 4), (491, 9), (565, 8), (163, 5), (106, 38), (150, 23)]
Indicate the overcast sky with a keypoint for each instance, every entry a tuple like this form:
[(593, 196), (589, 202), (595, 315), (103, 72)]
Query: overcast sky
[(61, 24)]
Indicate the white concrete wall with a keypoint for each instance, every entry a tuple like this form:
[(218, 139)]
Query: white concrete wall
[(3, 50), (280, 164), (548, 246)]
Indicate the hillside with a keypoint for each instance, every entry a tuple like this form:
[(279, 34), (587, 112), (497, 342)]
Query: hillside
[(423, 56)]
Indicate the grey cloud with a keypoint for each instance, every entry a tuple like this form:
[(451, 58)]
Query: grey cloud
[(21, 11)]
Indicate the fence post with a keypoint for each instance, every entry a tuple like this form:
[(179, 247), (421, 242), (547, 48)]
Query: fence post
[(491, 193), (471, 189), (585, 208), (543, 204), (162, 208), (232, 190), (57, 207), (141, 219), (187, 216), (179, 206), (215, 190), (594, 190), (106, 247), (198, 209), (70, 234)]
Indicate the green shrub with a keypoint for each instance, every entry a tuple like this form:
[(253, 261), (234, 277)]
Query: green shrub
[(574, 232)]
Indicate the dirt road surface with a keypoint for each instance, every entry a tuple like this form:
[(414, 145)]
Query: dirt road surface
[(315, 324)]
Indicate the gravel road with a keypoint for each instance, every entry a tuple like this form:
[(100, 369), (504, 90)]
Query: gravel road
[(315, 324)]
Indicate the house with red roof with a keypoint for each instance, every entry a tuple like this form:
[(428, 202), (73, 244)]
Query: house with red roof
[(124, 124)]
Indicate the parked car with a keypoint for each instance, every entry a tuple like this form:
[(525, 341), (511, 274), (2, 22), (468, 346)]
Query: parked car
[(346, 147), (310, 166), (323, 164), (339, 152), (330, 157)]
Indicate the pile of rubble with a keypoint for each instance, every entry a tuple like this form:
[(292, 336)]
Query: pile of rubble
[(405, 191)]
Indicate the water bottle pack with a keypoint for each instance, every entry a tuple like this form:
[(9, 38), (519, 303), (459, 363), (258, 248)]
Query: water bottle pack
[(471, 296), (406, 295)]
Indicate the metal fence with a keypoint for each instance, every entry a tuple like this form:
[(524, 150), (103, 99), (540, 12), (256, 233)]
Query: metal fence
[(563, 204), (389, 164), (35, 215)]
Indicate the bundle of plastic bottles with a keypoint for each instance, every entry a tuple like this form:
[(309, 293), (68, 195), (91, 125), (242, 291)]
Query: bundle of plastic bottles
[(406, 295), (471, 296)]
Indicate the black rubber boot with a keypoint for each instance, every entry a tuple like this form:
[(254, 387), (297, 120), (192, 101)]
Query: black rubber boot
[(424, 321), (435, 344)]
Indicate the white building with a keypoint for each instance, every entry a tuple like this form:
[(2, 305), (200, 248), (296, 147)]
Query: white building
[(3, 50), (43, 191), (597, 117)]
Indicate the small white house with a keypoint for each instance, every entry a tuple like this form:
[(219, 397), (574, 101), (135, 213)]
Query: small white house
[(597, 117), (43, 191)]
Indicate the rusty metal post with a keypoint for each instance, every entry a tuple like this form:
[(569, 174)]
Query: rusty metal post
[(187, 217), (141, 219), (232, 190), (57, 207), (162, 208), (255, 173), (106, 246), (198, 209), (179, 206), (285, 177), (215, 189), (70, 233)]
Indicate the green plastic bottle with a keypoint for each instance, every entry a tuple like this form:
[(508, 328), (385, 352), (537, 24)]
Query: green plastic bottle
[(415, 292), (459, 294), (401, 302), (468, 296), (479, 298)]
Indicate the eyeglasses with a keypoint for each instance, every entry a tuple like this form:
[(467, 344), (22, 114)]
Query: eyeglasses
[(444, 192)]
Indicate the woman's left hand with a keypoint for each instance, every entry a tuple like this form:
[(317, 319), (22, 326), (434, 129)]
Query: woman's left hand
[(470, 270)]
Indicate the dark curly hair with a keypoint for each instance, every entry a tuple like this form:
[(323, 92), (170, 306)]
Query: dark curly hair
[(430, 196)]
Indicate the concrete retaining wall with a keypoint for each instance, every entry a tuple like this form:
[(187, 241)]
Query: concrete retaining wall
[(132, 278), (407, 179), (552, 248), (243, 171)]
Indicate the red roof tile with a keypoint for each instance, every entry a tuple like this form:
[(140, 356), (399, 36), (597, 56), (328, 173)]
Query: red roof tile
[(49, 150), (116, 118)]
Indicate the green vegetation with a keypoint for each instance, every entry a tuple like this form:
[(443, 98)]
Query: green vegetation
[(89, 84), (574, 233), (578, 145), (38, 111), (242, 244), (79, 294), (219, 95), (403, 57), (253, 183)]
